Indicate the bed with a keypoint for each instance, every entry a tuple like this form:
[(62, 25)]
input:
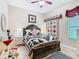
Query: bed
[(39, 45)]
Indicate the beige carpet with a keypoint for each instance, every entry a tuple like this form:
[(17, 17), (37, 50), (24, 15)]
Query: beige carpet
[(23, 52)]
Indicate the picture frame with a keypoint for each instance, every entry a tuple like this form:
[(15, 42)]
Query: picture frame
[(31, 18)]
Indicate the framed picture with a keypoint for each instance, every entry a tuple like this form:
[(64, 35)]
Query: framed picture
[(31, 18)]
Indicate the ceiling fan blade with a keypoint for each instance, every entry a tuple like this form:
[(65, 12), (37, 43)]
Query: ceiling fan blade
[(34, 1), (48, 2)]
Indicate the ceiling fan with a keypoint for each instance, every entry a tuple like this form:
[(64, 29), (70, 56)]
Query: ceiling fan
[(42, 2)]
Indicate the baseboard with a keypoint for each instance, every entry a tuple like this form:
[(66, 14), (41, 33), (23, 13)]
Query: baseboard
[(67, 46)]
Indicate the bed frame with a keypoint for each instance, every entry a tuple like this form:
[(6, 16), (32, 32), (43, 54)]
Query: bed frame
[(43, 49)]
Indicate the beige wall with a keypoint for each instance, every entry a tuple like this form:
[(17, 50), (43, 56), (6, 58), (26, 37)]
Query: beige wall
[(63, 23), (3, 10), (18, 18)]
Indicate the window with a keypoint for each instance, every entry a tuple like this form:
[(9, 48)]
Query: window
[(73, 27)]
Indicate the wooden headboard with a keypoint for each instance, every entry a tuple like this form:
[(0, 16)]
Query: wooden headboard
[(30, 27)]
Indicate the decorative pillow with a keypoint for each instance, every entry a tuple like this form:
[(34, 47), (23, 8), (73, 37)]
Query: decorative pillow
[(35, 40)]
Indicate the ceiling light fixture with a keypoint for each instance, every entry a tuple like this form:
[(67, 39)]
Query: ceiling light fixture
[(42, 2)]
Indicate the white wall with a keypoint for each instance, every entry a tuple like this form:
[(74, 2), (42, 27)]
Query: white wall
[(63, 23), (18, 18), (3, 10)]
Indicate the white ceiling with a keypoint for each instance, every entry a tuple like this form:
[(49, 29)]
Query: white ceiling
[(35, 7)]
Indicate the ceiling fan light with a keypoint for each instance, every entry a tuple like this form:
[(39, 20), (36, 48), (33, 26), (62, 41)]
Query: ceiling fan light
[(41, 2)]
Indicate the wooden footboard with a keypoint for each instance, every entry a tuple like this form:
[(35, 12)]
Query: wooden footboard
[(44, 49)]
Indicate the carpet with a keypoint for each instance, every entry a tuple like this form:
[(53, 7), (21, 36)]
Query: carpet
[(58, 55), (11, 53)]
